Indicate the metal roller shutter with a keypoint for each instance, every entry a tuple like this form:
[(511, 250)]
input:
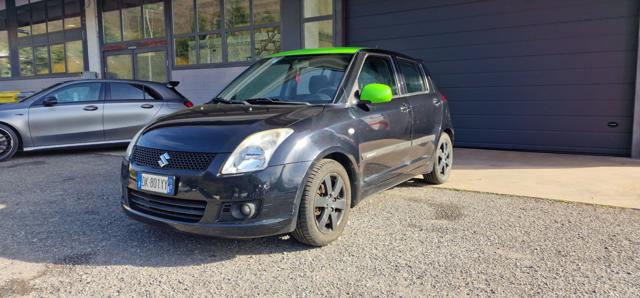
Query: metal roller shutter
[(542, 75)]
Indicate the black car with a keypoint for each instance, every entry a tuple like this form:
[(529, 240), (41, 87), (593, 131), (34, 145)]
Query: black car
[(290, 146)]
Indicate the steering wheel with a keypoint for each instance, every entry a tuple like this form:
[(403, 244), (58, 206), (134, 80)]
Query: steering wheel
[(326, 93)]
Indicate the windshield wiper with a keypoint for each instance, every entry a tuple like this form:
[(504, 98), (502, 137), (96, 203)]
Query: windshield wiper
[(225, 101), (273, 100)]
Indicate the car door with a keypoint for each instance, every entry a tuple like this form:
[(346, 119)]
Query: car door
[(425, 106), (384, 130), (75, 117), (128, 107)]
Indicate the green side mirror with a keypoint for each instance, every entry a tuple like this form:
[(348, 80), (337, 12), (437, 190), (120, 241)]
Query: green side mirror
[(376, 93)]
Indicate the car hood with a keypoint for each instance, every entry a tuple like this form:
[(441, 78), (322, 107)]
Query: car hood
[(219, 128), (12, 106)]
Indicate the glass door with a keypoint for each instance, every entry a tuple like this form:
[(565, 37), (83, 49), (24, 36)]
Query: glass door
[(147, 65), (134, 39)]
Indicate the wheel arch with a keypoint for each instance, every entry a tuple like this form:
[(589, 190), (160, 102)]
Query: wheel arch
[(20, 138), (350, 166), (449, 131)]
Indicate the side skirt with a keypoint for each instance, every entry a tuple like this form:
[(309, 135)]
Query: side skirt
[(77, 145)]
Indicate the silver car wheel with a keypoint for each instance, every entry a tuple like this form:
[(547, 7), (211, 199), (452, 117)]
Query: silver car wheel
[(6, 142)]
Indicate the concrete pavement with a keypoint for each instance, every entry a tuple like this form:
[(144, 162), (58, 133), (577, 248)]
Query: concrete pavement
[(601, 180), (64, 235)]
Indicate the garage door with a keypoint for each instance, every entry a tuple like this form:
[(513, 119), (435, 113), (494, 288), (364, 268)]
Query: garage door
[(542, 75)]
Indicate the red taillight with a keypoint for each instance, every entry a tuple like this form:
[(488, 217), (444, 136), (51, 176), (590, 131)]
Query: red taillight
[(444, 98), (188, 104)]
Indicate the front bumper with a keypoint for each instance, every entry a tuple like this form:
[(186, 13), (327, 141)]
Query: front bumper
[(202, 200)]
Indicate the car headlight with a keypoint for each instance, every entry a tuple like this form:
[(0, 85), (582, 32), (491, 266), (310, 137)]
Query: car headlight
[(132, 144), (254, 153)]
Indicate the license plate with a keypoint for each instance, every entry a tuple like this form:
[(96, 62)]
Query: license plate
[(156, 183)]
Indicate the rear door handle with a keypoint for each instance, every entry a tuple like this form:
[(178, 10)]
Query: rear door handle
[(90, 108), (437, 101), (146, 106), (405, 108)]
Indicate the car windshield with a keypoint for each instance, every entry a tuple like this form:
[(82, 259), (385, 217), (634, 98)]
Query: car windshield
[(308, 79)]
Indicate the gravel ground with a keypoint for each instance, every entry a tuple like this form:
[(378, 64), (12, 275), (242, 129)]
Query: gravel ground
[(63, 234)]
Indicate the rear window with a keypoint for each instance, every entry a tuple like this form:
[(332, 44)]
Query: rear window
[(414, 81), (175, 94), (128, 91)]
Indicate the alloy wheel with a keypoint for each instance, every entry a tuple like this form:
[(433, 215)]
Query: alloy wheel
[(445, 152), (6, 142), (330, 203)]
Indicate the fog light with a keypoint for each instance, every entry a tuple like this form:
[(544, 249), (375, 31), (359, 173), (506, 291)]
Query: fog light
[(248, 209), (243, 210)]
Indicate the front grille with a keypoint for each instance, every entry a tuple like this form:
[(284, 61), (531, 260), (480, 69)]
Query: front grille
[(169, 208), (179, 160)]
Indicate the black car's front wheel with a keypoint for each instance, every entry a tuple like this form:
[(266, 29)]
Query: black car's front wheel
[(9, 143), (442, 161), (324, 208)]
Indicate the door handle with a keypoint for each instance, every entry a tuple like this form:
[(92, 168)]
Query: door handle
[(146, 106), (405, 108), (90, 108), (437, 101)]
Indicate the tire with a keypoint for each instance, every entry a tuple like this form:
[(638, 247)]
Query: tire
[(442, 161), (9, 143), (323, 216)]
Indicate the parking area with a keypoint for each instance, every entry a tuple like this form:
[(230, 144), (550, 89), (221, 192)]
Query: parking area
[(63, 234)]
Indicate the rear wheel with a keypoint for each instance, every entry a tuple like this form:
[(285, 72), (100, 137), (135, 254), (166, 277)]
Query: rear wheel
[(442, 161), (324, 208), (9, 143)]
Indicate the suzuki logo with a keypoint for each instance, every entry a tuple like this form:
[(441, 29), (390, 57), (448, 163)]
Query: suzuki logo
[(164, 160)]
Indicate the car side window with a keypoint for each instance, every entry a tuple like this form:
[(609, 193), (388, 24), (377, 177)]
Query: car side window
[(126, 91), (414, 81), (379, 70), (83, 92), (151, 94)]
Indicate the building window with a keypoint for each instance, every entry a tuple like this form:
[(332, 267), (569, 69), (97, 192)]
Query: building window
[(5, 61), (61, 50), (318, 23), (128, 20), (50, 16), (59, 58), (224, 31)]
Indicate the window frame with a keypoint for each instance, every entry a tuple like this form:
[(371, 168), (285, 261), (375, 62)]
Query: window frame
[(47, 39), (336, 7), (142, 39), (421, 72), (145, 89), (39, 101), (223, 32), (394, 68)]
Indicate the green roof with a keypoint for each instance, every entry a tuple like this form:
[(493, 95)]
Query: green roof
[(319, 51)]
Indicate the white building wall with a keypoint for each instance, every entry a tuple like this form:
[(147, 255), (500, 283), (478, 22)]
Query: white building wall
[(93, 36)]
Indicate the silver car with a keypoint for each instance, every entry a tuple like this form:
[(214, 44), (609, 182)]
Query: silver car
[(84, 113)]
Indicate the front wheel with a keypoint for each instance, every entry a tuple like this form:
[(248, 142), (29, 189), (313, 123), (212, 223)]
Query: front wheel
[(442, 161), (324, 208), (9, 143)]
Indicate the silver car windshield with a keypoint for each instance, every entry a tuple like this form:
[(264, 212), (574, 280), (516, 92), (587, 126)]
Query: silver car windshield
[(308, 79)]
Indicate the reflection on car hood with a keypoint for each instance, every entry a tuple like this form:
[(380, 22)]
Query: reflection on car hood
[(220, 128), (11, 106)]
